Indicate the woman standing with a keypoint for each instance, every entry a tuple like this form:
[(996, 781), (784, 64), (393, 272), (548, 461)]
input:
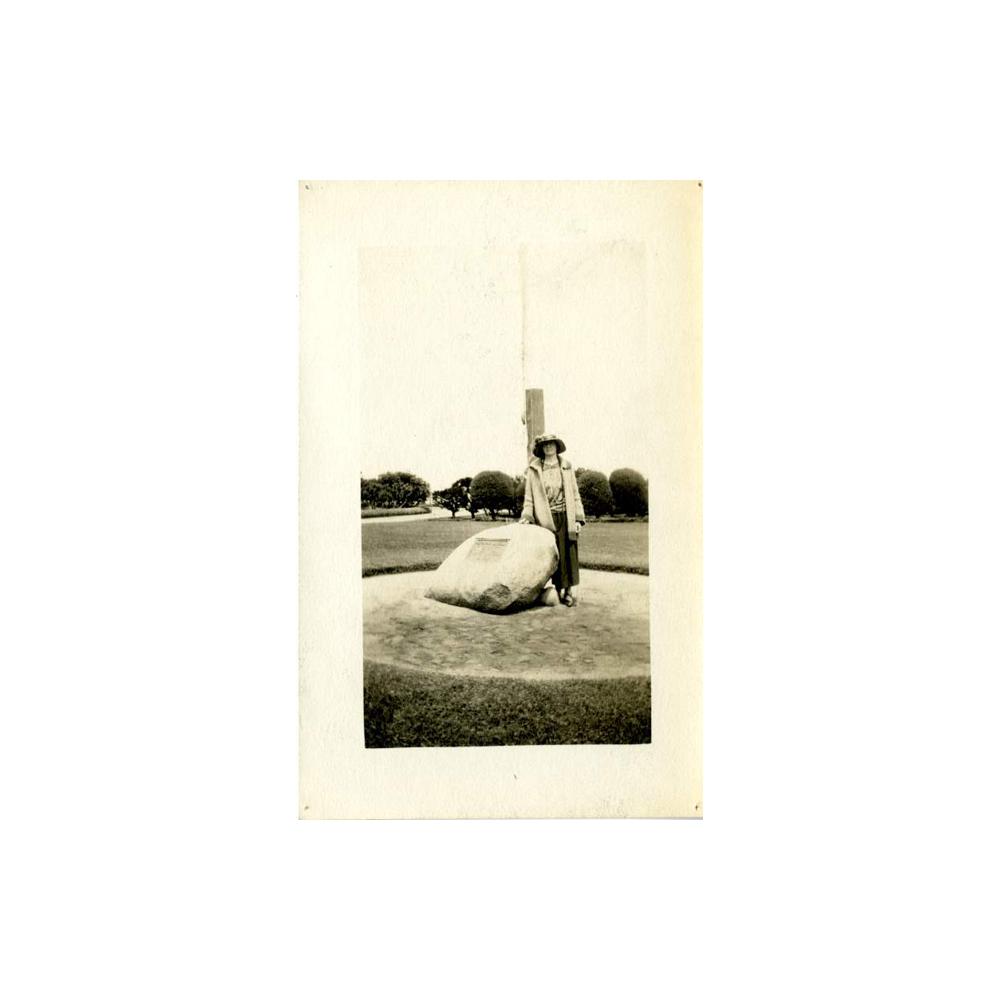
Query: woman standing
[(552, 500)]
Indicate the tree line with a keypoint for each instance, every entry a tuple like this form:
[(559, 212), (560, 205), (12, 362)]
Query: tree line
[(625, 492)]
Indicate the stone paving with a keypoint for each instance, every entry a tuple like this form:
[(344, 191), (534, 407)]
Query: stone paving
[(605, 635)]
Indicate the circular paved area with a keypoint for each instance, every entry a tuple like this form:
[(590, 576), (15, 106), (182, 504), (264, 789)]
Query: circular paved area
[(605, 635)]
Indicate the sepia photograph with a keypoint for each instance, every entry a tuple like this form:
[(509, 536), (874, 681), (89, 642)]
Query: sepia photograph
[(515, 366), (504, 505)]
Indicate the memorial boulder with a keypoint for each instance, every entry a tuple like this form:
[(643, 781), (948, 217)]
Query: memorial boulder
[(498, 570)]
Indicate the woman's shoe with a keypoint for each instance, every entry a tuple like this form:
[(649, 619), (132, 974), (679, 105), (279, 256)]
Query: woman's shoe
[(569, 600)]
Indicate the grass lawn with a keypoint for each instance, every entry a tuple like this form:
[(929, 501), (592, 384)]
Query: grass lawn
[(406, 708), (421, 545)]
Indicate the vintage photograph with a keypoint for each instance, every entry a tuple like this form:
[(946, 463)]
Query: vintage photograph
[(504, 500), (500, 498)]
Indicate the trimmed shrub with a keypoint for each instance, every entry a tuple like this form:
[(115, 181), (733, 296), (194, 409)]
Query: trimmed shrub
[(630, 492), (493, 492), (595, 492), (394, 489), (517, 497)]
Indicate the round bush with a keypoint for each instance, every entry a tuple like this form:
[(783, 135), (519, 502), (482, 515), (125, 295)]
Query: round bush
[(517, 497), (630, 492), (493, 492), (595, 492)]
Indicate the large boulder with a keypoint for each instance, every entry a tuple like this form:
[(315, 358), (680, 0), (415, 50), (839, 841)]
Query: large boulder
[(498, 570)]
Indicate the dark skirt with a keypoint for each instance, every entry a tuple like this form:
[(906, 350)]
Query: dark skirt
[(567, 573)]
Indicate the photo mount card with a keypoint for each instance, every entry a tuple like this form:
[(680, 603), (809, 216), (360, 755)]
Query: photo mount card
[(446, 327)]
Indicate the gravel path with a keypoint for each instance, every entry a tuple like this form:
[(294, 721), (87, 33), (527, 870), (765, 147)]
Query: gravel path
[(606, 635), (436, 514)]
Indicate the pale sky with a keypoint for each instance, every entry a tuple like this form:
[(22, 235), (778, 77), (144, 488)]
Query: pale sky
[(452, 337)]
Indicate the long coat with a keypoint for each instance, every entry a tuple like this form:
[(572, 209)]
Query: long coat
[(536, 504)]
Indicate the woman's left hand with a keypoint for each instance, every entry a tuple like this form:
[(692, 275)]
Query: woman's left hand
[(579, 526)]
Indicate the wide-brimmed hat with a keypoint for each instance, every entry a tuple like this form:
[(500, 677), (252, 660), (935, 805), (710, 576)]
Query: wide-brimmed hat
[(541, 439)]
